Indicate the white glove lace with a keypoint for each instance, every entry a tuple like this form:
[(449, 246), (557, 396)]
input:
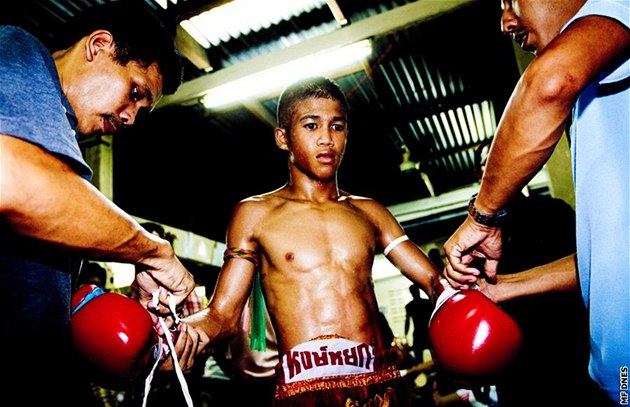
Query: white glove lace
[(171, 350)]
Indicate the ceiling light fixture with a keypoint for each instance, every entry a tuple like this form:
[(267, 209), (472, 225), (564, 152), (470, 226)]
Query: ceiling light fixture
[(239, 17), (269, 82)]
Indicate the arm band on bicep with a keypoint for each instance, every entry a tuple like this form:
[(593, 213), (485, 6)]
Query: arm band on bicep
[(258, 325), (238, 253), (395, 243)]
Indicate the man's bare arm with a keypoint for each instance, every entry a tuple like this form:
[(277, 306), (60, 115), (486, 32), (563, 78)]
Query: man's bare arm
[(43, 198), (558, 276), (535, 116)]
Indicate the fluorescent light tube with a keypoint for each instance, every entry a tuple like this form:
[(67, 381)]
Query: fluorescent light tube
[(273, 80)]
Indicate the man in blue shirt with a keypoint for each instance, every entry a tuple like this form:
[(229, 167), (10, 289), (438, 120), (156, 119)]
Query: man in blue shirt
[(582, 49), (119, 63)]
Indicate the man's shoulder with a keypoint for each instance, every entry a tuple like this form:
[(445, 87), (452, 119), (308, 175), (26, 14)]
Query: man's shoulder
[(25, 59), (16, 42), (14, 31), (617, 9)]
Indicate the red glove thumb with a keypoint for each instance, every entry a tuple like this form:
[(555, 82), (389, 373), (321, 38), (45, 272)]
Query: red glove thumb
[(472, 339)]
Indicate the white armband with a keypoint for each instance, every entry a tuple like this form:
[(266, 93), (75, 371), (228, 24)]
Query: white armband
[(395, 243)]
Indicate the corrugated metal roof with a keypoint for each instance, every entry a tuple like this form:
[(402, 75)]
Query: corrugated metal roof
[(434, 89)]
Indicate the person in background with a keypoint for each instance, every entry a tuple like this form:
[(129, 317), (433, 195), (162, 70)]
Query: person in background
[(418, 312), (386, 330), (404, 356), (580, 76), (51, 216), (311, 246)]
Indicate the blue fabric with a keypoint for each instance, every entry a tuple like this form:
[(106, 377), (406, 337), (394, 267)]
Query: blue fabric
[(32, 106), (600, 145)]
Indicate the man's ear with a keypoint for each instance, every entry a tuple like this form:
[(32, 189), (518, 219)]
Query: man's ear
[(282, 139), (97, 42)]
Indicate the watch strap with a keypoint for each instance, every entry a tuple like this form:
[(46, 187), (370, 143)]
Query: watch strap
[(494, 220)]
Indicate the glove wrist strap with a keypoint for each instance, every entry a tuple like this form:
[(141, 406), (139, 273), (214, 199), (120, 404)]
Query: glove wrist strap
[(444, 292)]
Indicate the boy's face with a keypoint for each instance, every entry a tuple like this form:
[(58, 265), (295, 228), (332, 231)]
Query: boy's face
[(316, 140)]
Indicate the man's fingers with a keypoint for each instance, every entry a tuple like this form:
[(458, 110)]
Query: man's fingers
[(458, 279), (490, 269)]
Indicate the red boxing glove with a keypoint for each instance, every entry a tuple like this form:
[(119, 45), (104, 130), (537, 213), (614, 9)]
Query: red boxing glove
[(472, 339), (114, 336)]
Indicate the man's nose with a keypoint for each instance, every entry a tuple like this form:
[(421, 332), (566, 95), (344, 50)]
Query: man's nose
[(128, 116)]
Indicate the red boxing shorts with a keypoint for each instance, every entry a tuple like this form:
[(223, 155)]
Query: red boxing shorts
[(334, 371)]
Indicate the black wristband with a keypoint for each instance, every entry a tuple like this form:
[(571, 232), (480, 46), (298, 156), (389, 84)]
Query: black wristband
[(484, 219)]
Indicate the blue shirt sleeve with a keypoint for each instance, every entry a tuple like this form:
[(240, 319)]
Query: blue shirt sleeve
[(32, 105), (618, 10)]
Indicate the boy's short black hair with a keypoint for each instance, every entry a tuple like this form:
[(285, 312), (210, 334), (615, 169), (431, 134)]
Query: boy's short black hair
[(314, 87), (139, 36)]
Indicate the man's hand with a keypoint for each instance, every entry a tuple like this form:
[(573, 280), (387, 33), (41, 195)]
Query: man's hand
[(472, 241), (490, 290), (167, 277)]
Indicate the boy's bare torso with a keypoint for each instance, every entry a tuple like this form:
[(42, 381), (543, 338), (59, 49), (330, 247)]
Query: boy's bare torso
[(316, 268)]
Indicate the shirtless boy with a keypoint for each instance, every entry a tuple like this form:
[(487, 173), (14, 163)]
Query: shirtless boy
[(314, 245)]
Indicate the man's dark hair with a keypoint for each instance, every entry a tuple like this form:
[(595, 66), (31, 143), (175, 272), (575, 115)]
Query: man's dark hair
[(315, 87), (139, 36)]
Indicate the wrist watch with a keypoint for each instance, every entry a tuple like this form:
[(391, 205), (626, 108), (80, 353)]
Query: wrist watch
[(494, 220)]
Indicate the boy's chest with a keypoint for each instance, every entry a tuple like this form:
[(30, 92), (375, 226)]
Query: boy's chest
[(335, 234)]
